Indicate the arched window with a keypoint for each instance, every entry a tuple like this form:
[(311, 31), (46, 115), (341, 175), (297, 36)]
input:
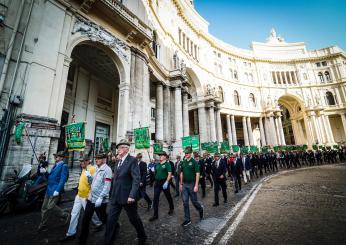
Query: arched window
[(330, 98), (252, 100), (327, 74), (220, 93), (320, 75), (236, 97), (156, 46), (231, 73), (246, 76), (251, 77)]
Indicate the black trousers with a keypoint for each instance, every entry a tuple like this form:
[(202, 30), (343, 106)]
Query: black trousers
[(157, 191), (208, 177), (113, 225), (220, 184), (143, 194), (237, 181), (203, 185), (88, 213)]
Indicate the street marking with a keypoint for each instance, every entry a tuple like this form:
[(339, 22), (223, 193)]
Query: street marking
[(210, 239), (230, 231)]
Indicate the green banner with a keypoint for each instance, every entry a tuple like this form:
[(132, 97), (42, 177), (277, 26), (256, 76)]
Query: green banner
[(213, 147), (253, 148), (158, 148), (195, 142), (205, 146), (225, 147), (244, 150), (18, 132), (276, 148), (335, 146), (235, 148), (142, 138), (186, 141), (75, 136), (265, 149), (315, 147), (105, 144)]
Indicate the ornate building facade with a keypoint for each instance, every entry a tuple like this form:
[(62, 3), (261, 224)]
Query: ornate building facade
[(120, 65)]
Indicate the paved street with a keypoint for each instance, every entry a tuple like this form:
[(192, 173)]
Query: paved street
[(304, 206)]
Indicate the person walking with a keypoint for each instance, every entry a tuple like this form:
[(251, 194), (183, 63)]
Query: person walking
[(189, 178), (143, 171), (55, 184), (126, 183), (219, 170), (84, 188), (98, 197), (177, 175), (163, 174)]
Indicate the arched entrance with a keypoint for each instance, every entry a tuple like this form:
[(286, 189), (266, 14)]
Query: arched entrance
[(293, 120), (92, 94)]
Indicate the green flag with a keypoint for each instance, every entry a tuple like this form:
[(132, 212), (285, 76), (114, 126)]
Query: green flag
[(315, 147), (158, 148), (253, 148), (225, 147), (75, 136), (244, 150), (18, 132), (142, 138), (186, 141), (105, 144), (235, 148), (195, 142)]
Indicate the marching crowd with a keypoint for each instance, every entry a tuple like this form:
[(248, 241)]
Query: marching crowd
[(118, 182)]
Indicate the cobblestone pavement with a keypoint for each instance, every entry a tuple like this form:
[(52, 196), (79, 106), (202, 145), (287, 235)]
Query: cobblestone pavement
[(306, 206)]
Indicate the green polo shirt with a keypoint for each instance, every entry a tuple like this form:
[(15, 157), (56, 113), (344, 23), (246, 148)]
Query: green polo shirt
[(189, 168), (161, 170)]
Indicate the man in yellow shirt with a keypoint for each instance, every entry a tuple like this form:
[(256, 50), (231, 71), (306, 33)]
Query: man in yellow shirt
[(84, 188)]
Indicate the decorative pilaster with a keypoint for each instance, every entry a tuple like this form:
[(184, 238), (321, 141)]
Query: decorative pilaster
[(178, 115), (229, 131), (263, 138), (159, 113), (234, 131), (202, 123), (246, 136), (219, 125), (212, 124), (166, 114), (186, 115), (249, 128)]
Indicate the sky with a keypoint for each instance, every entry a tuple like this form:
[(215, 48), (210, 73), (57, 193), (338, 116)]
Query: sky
[(318, 23)]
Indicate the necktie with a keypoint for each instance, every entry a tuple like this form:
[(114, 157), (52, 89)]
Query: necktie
[(120, 163)]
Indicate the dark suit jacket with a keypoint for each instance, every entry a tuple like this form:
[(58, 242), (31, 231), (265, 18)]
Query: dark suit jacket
[(125, 181), (143, 170), (218, 171), (237, 166)]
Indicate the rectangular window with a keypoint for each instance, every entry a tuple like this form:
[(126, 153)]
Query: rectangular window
[(153, 113), (318, 64), (324, 63)]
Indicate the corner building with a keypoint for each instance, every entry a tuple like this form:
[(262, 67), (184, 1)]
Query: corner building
[(120, 65)]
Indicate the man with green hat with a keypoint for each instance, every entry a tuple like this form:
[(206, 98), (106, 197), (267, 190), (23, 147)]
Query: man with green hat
[(189, 179), (163, 175)]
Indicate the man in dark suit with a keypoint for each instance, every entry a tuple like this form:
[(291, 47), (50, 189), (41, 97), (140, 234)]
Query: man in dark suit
[(125, 189), (143, 182), (218, 171), (236, 170)]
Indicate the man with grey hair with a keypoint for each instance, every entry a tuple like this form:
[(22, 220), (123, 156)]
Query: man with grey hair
[(126, 182)]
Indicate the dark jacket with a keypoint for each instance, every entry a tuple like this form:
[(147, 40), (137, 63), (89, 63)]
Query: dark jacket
[(237, 166), (125, 181), (220, 170), (143, 171)]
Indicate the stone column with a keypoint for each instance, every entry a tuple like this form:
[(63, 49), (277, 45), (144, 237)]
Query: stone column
[(186, 115), (202, 123), (219, 125), (246, 136), (124, 109), (166, 114), (274, 135), (329, 131), (322, 129), (309, 134), (172, 115), (229, 130), (295, 132), (159, 113), (178, 115), (234, 131), (249, 128), (267, 129), (212, 124), (281, 130), (343, 119), (195, 122), (263, 138), (277, 130), (316, 129)]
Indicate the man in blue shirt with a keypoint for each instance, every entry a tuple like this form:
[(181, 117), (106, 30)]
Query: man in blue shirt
[(56, 181)]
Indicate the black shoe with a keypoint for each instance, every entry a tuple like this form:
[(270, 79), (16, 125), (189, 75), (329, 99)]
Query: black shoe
[(186, 223), (67, 238), (170, 212), (153, 218), (42, 228), (176, 195), (150, 206), (201, 213), (224, 201), (236, 191), (215, 204), (98, 228), (141, 241)]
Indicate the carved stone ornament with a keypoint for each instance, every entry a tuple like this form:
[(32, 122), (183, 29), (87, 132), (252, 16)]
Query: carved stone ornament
[(98, 34)]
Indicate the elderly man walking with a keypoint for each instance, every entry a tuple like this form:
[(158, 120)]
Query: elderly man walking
[(124, 193), (56, 181), (98, 197)]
